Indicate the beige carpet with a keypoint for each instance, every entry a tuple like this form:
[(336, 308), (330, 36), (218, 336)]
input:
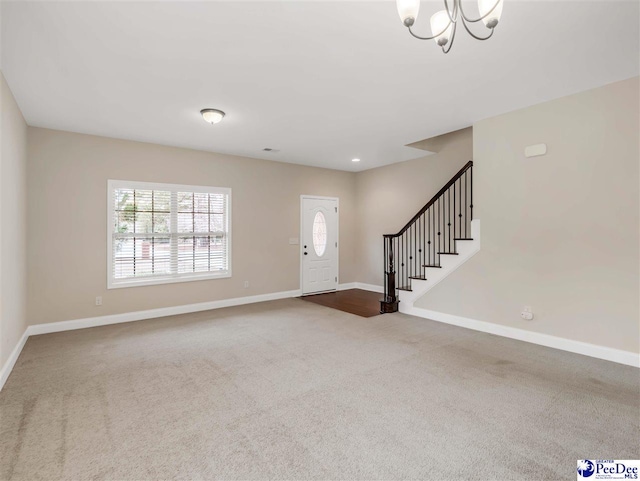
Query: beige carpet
[(293, 390)]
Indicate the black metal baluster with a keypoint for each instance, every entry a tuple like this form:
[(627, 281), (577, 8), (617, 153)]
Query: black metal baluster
[(460, 204), (452, 210), (466, 188), (471, 206), (409, 253), (407, 247), (394, 241), (429, 235), (401, 257), (412, 251), (449, 218), (421, 250), (418, 250), (423, 244), (409, 256), (433, 234), (398, 262), (439, 231), (416, 247), (454, 214), (434, 214), (404, 257), (416, 259)]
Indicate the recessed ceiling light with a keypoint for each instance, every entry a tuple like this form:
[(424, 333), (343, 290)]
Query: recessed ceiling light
[(213, 116), (355, 160)]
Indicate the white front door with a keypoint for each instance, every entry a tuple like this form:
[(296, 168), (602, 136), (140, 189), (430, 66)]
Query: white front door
[(319, 244)]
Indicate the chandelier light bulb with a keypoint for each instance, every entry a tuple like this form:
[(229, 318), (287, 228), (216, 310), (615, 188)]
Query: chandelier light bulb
[(441, 26), (408, 11), (490, 19)]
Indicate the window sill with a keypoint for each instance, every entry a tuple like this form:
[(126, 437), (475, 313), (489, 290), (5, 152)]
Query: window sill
[(166, 280)]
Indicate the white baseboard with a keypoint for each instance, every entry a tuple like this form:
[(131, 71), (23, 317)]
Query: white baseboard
[(578, 347), (369, 287), (360, 285), (13, 357), (37, 329)]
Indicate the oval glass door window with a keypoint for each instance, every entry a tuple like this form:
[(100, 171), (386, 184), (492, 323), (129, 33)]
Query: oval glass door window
[(319, 234)]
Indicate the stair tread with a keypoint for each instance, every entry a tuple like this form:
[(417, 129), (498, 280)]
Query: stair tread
[(431, 265), (463, 238), (448, 253), (420, 278), (404, 288)]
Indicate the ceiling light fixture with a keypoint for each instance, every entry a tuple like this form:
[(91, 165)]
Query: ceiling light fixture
[(355, 160), (213, 116), (444, 22)]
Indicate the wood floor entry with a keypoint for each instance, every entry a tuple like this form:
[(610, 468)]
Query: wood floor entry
[(354, 301)]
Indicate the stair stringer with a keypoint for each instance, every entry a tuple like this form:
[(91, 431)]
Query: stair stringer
[(466, 249)]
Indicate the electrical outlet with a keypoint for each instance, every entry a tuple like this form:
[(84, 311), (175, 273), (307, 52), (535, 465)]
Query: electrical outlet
[(246, 284), (98, 300), (527, 313)]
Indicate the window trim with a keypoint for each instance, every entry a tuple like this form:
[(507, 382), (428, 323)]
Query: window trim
[(174, 278)]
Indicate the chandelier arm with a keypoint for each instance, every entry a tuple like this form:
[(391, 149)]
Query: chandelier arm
[(474, 35), (481, 18), (430, 38), (453, 37), (453, 17)]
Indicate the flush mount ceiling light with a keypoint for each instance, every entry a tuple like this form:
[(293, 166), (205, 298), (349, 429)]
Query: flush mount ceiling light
[(444, 22), (213, 116), (355, 160)]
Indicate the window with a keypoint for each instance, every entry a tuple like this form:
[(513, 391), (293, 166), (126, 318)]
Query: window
[(162, 233), (319, 234)]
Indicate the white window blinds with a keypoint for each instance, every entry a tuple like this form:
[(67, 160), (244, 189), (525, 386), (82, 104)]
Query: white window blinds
[(160, 233)]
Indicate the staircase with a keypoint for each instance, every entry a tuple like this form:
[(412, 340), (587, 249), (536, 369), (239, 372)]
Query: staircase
[(436, 241)]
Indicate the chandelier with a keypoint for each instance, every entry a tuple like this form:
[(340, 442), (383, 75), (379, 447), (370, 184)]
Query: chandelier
[(444, 22)]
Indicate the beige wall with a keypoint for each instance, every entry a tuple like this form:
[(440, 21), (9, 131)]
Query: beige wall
[(13, 224), (67, 222), (561, 232), (389, 196)]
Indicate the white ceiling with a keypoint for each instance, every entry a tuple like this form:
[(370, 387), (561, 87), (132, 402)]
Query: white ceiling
[(323, 82)]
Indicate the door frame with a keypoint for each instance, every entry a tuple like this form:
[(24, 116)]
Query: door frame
[(300, 240)]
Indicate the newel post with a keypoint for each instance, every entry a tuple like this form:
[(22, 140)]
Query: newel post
[(390, 301)]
